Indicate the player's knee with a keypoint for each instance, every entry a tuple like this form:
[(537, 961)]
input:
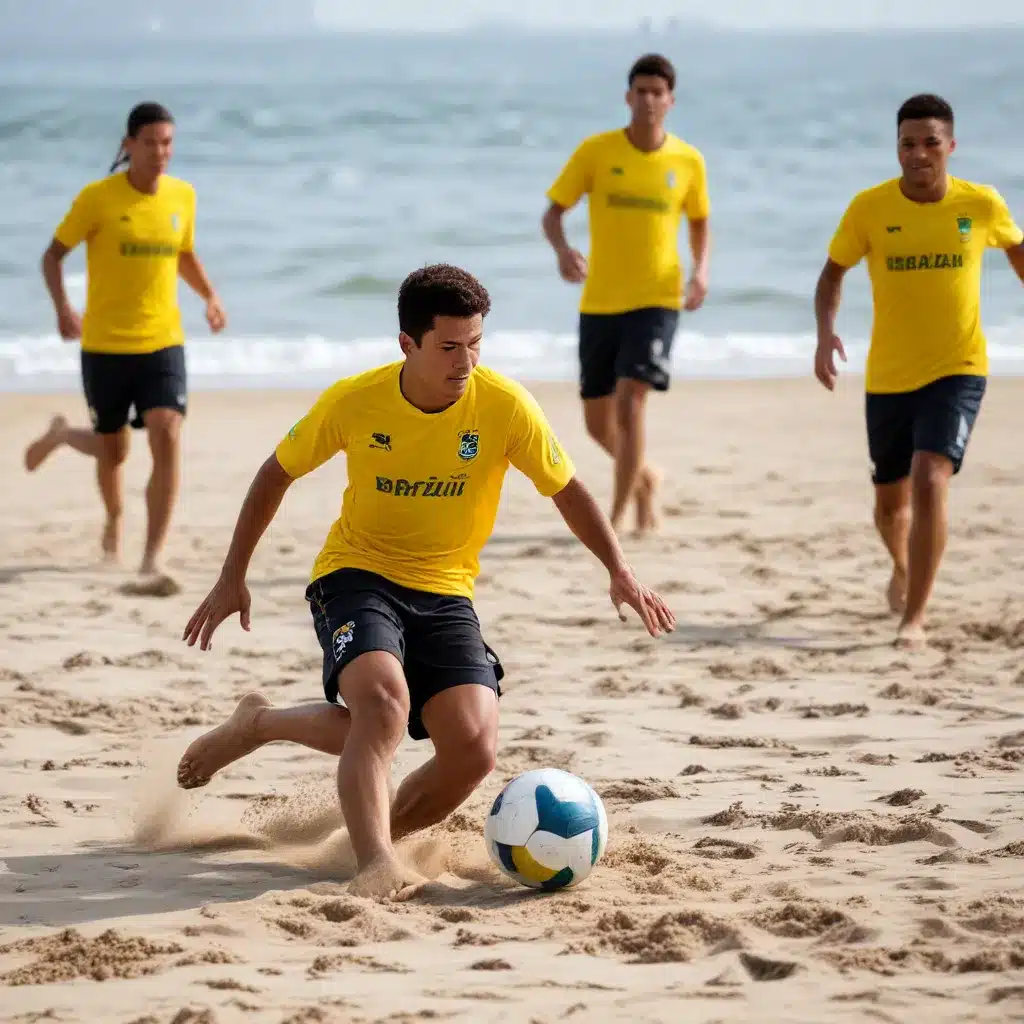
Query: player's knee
[(163, 426), (929, 477), (377, 695), (114, 448), (477, 756)]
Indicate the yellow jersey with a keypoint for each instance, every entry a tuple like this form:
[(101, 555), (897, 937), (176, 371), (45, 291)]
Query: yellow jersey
[(924, 261), (423, 488), (636, 201), (133, 241)]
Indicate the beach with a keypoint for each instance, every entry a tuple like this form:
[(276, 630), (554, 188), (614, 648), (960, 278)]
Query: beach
[(806, 823)]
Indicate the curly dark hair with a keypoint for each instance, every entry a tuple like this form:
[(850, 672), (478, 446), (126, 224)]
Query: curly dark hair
[(655, 66), (923, 106), (438, 290)]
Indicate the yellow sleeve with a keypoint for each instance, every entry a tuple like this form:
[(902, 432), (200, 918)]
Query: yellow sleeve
[(533, 448), (317, 437), (1003, 232), (188, 237), (80, 221), (575, 180), (850, 243), (697, 205)]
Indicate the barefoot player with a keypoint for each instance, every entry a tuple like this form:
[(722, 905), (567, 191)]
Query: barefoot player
[(427, 442), (924, 235), (640, 181), (138, 228)]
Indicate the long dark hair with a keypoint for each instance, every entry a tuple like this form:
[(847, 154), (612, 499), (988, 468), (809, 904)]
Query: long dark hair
[(140, 116)]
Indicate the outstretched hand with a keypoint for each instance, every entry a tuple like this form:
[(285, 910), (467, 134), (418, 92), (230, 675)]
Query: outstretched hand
[(657, 617), (226, 598)]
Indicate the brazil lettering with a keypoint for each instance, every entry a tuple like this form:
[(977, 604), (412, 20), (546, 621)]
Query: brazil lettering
[(432, 488), (926, 261), (147, 249), (633, 202)]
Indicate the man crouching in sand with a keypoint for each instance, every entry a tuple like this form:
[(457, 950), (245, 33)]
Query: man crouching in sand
[(427, 440)]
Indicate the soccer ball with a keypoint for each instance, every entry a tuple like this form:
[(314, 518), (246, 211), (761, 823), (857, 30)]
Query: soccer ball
[(547, 829)]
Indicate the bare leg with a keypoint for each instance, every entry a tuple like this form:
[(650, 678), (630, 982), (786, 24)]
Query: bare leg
[(929, 479), (113, 451), (892, 519), (58, 434), (630, 399), (164, 429), (599, 416), (255, 722), (463, 726)]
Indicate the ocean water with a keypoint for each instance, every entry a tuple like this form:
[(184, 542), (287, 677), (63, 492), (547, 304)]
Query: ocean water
[(329, 167)]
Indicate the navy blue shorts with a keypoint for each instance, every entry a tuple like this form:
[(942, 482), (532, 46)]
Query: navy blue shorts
[(117, 384), (636, 345), (937, 418), (436, 637)]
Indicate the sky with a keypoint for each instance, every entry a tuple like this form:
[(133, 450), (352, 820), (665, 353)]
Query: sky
[(751, 14)]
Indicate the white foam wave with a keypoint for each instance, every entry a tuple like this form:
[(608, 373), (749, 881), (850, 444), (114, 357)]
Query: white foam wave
[(46, 363)]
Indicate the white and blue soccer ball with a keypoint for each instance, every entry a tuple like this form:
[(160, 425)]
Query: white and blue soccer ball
[(547, 829)]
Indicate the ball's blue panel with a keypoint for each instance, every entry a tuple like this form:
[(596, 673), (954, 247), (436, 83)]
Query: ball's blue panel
[(563, 878), (595, 847), (505, 853), (496, 806), (565, 818)]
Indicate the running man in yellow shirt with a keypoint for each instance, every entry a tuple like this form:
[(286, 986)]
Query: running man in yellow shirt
[(427, 442), (640, 182), (138, 226), (924, 236)]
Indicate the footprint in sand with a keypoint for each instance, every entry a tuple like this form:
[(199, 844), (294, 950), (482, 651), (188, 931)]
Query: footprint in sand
[(158, 585)]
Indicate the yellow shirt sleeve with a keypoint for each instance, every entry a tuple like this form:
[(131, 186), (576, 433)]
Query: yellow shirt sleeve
[(1003, 232), (533, 448), (697, 205), (317, 437), (850, 243), (188, 236), (80, 221), (575, 180)]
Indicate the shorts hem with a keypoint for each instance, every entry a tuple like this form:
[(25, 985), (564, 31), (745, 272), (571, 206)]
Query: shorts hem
[(331, 681)]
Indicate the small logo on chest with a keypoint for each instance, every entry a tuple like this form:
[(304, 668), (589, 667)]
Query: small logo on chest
[(381, 441), (469, 445), (963, 225)]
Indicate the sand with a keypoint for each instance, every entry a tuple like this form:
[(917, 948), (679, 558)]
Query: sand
[(806, 823)]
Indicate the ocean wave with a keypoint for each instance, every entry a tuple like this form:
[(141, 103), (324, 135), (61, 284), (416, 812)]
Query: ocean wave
[(45, 363)]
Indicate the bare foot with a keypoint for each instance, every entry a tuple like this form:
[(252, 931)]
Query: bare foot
[(44, 446), (911, 636), (221, 746), (648, 511), (896, 592), (387, 878)]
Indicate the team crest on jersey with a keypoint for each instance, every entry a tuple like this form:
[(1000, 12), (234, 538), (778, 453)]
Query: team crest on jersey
[(469, 445), (963, 225), (343, 636), (670, 179), (175, 221)]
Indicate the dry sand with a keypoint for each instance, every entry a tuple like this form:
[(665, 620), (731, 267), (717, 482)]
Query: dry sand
[(806, 824)]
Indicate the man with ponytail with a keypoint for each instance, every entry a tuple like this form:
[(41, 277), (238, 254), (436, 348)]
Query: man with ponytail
[(138, 226)]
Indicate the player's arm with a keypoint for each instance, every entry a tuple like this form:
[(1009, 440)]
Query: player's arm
[(697, 207), (1015, 255), (79, 223), (849, 245), (569, 187), (827, 296), (69, 323), (312, 441), (193, 273), (584, 517)]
